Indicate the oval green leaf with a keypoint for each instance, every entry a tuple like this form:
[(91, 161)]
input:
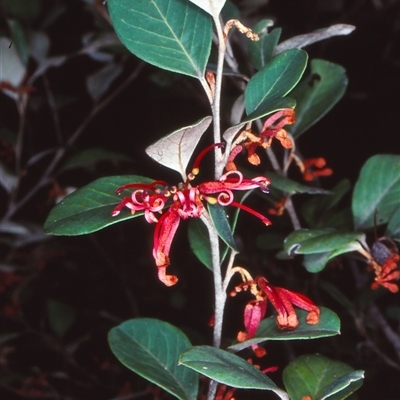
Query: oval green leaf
[(89, 209), (318, 377), (270, 106), (289, 186), (377, 190), (275, 80), (316, 262), (320, 209), (227, 368), (312, 241), (315, 95), (393, 228), (61, 317), (172, 34), (261, 51), (199, 242), (151, 348), (19, 40), (328, 325), (220, 220)]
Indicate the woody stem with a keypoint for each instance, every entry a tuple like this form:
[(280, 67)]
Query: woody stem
[(220, 295), (217, 97)]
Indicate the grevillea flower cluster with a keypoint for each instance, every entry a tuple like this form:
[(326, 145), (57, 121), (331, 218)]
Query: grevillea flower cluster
[(283, 300), (386, 274), (166, 205), (272, 128)]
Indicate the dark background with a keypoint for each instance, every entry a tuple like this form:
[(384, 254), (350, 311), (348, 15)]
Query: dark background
[(109, 276)]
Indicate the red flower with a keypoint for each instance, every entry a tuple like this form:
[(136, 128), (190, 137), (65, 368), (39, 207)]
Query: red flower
[(273, 128), (387, 273), (314, 168), (182, 202), (279, 207), (281, 299)]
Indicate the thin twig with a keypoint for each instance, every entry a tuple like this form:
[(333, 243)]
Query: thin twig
[(292, 213), (391, 336), (230, 271), (47, 175), (22, 103)]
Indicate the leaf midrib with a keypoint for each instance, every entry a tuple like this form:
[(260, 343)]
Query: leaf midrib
[(157, 360)]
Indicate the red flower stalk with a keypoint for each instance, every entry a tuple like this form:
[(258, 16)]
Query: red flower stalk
[(281, 299), (182, 202), (272, 129)]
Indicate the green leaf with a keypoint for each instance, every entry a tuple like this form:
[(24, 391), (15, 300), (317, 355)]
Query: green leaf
[(200, 242), (18, 36), (172, 34), (227, 368), (61, 317), (261, 51), (319, 377), (339, 296), (316, 262), (393, 228), (328, 325), (88, 157), (230, 11), (377, 189), (270, 106), (289, 186), (89, 209), (318, 210), (344, 386), (151, 348), (275, 80), (312, 241), (220, 220), (317, 93)]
